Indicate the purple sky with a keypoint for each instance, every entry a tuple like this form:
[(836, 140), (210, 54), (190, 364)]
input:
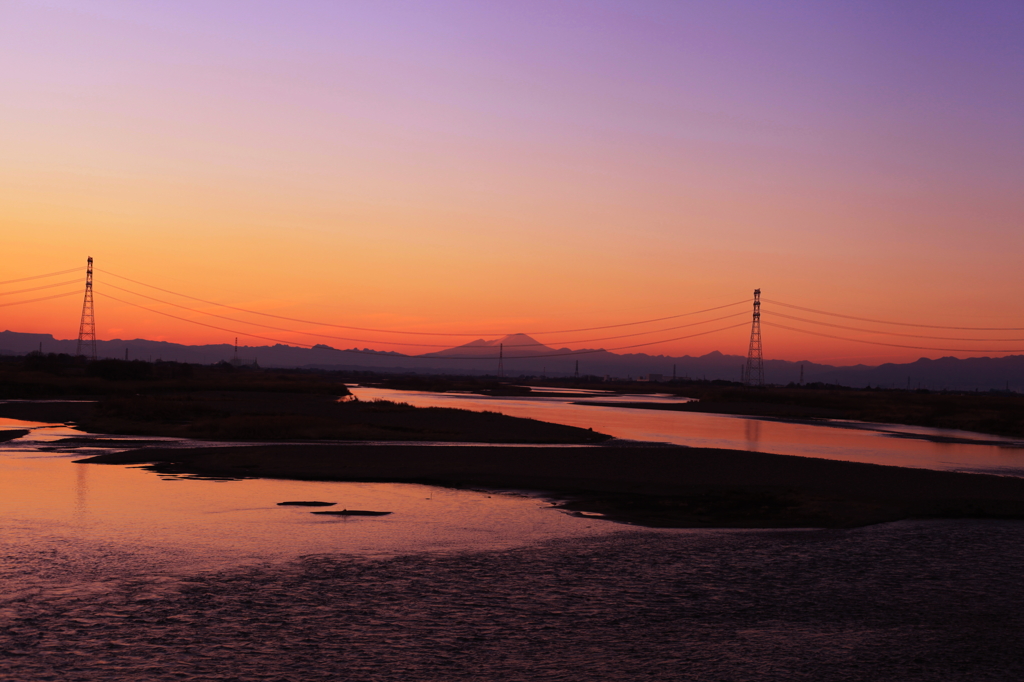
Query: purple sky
[(867, 156)]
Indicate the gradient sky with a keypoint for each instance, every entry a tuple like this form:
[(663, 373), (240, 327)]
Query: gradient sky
[(520, 166)]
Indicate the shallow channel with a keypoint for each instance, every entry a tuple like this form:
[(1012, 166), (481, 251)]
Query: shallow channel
[(891, 444)]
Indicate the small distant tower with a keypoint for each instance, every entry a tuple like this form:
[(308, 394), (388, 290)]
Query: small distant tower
[(234, 358), (501, 360), (87, 327), (577, 374), (755, 364)]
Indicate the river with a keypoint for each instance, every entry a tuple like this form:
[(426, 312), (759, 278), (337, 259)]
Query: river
[(892, 444), (118, 573)]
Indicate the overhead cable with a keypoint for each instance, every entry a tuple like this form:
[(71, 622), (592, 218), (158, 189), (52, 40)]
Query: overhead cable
[(45, 286), (401, 343), (652, 331), (203, 324), (396, 331), (49, 274), (630, 324), (434, 357), (582, 352), (267, 326), (44, 298), (902, 324), (774, 313), (893, 345)]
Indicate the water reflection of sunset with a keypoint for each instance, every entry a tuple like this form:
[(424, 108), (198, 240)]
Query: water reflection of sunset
[(850, 441)]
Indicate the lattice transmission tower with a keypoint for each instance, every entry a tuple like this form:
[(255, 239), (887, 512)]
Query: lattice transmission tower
[(87, 327), (755, 364)]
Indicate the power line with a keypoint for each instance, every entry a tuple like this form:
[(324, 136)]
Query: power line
[(653, 331), (874, 331), (49, 274), (233, 331), (36, 300), (435, 357), (203, 324), (902, 324), (895, 345), (267, 326), (584, 352), (45, 286), (395, 331), (631, 324), (402, 343)]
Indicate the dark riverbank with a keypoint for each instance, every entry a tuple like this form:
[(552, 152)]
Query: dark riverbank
[(12, 434), (225, 402), (117, 384), (788, 414), (263, 416), (259, 416), (995, 413), (655, 486)]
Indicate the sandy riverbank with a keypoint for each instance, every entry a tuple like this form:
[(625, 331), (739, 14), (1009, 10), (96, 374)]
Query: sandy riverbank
[(656, 486)]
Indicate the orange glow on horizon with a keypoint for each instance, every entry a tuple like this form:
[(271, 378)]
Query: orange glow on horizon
[(117, 319), (429, 173)]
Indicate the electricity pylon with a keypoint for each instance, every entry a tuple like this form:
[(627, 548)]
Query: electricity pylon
[(87, 327), (755, 364)]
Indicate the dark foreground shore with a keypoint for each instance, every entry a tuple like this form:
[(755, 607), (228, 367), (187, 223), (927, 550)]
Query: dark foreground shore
[(12, 434), (279, 415), (654, 486)]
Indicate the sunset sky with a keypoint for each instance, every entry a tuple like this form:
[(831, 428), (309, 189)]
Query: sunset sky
[(500, 167)]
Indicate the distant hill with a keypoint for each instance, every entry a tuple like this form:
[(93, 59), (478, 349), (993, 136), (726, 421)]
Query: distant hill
[(512, 346), (524, 355)]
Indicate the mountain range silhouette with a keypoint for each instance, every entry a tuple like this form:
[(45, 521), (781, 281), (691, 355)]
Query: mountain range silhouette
[(523, 355)]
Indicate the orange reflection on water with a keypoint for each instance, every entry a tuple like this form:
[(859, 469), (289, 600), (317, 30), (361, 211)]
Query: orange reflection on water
[(90, 514), (850, 441)]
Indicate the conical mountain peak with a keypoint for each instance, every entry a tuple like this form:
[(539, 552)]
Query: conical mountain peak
[(513, 344)]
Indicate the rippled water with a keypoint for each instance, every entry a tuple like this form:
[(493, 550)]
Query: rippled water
[(892, 444), (909, 601), (116, 573)]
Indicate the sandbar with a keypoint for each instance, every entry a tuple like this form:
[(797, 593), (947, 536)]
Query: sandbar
[(663, 486)]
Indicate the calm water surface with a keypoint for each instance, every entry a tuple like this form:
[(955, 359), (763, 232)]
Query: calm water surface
[(208, 522), (851, 441)]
